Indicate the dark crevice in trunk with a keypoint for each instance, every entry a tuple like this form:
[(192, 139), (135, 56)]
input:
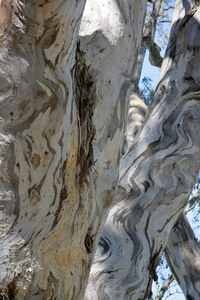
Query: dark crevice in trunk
[(85, 100)]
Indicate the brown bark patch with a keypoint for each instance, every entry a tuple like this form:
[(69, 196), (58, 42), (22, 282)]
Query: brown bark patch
[(5, 18), (85, 99), (18, 166), (89, 241), (63, 196), (35, 161), (11, 290), (34, 197), (152, 273), (3, 294)]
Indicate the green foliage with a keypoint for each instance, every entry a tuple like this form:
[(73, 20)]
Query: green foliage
[(164, 22), (162, 36)]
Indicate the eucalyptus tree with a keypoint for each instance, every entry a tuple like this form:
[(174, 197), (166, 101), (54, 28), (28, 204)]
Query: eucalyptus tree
[(63, 114), (65, 69), (137, 231)]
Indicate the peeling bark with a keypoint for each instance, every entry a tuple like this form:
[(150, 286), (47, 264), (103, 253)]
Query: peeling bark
[(157, 175)]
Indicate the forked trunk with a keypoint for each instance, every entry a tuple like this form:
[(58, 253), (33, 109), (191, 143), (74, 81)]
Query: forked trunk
[(157, 175), (63, 111)]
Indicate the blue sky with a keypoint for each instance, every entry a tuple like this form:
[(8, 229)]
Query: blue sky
[(150, 71)]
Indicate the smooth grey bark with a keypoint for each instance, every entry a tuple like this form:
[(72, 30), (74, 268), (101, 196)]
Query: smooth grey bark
[(63, 115), (183, 253), (183, 256), (157, 175)]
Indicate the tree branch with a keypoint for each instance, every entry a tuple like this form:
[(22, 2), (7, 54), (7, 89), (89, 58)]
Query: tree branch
[(154, 52), (164, 287), (165, 9), (155, 179), (183, 256), (149, 35), (192, 202), (159, 22)]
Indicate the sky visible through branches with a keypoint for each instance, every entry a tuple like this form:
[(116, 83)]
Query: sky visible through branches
[(149, 71)]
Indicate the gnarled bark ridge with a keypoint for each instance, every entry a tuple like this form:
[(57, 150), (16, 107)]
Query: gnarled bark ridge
[(38, 140), (63, 115), (183, 256), (157, 175)]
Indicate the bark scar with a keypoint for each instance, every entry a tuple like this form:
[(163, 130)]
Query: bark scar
[(85, 100)]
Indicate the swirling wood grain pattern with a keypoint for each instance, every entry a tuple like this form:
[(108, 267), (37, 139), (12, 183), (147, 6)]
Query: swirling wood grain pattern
[(183, 256), (62, 121), (157, 175)]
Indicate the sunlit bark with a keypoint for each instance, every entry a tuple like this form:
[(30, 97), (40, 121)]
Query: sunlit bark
[(39, 137), (63, 108), (157, 175), (62, 121)]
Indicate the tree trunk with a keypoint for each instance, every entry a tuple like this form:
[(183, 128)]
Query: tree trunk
[(183, 256), (62, 122), (137, 108), (39, 137), (157, 175)]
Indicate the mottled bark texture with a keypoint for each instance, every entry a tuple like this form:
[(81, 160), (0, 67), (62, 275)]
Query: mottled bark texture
[(136, 115), (183, 256), (63, 108), (39, 141), (157, 175)]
